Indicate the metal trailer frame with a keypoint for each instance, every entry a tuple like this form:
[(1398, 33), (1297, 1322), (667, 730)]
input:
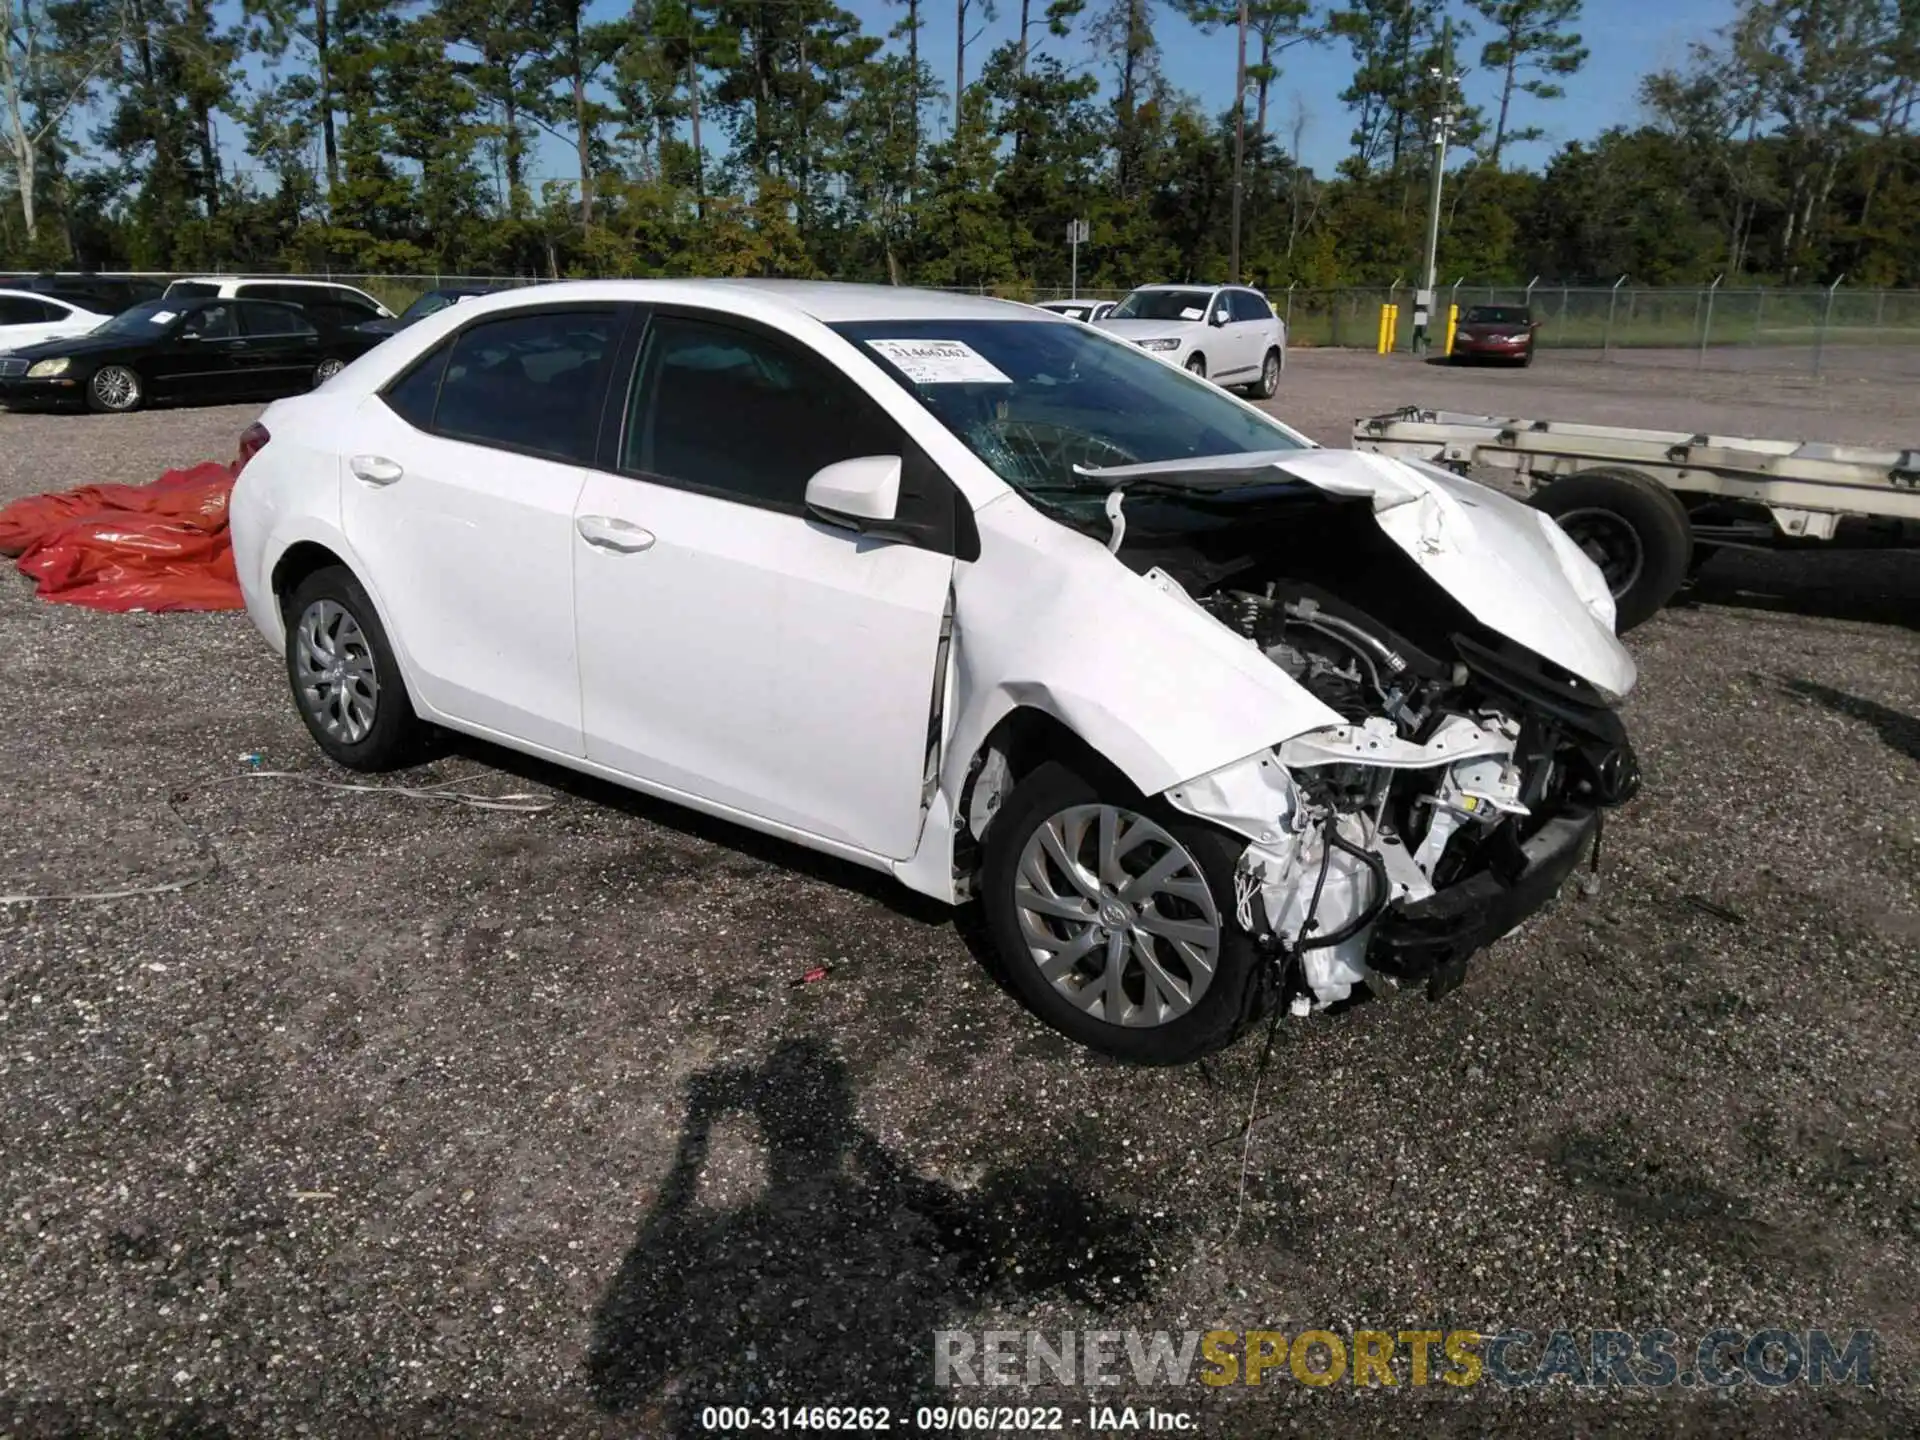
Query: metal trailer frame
[(1806, 487)]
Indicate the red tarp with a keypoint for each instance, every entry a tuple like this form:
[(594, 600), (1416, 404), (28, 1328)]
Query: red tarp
[(162, 546)]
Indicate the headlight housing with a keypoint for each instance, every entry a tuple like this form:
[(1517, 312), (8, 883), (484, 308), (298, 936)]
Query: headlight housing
[(47, 369), (1161, 344), (1585, 577)]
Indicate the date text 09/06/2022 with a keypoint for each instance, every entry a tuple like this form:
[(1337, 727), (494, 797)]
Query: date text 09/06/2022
[(934, 1419)]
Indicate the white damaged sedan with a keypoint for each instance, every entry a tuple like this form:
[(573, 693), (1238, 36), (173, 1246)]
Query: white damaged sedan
[(1206, 718)]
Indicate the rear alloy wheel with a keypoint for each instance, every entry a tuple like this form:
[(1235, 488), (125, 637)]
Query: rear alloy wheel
[(327, 369), (1269, 383), (1197, 366), (115, 390), (1114, 920), (345, 679)]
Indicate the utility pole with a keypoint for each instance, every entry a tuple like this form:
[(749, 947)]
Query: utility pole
[(1443, 117), (1239, 138)]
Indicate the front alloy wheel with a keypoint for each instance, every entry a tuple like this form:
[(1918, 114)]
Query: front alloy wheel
[(1116, 915), (1112, 918), (114, 389), (327, 369)]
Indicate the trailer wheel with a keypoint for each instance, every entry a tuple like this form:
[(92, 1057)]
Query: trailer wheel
[(1633, 528)]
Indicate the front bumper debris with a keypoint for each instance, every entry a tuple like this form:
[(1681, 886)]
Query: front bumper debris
[(1432, 939)]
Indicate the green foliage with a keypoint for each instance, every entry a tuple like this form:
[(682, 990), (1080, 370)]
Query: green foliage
[(777, 137)]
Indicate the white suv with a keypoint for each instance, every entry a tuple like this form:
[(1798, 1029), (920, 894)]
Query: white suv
[(1223, 333), (331, 305)]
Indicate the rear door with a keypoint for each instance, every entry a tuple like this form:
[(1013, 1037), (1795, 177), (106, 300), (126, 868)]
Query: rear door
[(282, 348), (732, 647), (27, 320), (459, 496), (1249, 328)]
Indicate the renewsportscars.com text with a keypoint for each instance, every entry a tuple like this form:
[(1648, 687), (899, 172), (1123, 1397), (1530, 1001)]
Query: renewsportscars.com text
[(1514, 1359)]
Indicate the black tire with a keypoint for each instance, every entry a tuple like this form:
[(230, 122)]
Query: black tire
[(1197, 365), (1268, 385), (326, 370), (395, 734), (116, 390), (1230, 1001), (1600, 509)]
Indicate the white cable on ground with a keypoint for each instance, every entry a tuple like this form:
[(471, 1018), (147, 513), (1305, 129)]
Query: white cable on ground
[(521, 802), (518, 802)]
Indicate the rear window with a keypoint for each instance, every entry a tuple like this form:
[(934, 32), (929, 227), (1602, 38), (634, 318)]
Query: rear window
[(19, 310), (264, 319), (530, 382)]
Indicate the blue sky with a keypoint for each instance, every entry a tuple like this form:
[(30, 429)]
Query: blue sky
[(1627, 39)]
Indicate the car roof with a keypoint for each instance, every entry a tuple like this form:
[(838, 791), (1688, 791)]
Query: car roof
[(1189, 285), (12, 293), (828, 301)]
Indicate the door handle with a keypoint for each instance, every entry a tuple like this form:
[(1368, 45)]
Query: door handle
[(375, 469), (606, 533)]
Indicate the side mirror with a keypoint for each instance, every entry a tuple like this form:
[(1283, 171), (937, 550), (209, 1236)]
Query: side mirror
[(1217, 319), (860, 493)]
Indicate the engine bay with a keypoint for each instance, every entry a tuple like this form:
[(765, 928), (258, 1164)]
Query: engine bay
[(1443, 768)]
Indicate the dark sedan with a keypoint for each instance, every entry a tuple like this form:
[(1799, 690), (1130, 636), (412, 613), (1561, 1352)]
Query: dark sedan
[(195, 350), (1495, 332), (430, 303)]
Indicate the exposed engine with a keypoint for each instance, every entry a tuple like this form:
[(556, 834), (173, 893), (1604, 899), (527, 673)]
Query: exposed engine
[(1440, 772)]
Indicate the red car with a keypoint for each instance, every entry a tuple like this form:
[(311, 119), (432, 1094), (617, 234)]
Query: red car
[(1495, 332)]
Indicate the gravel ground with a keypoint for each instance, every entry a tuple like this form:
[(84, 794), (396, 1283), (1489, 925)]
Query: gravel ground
[(411, 1118)]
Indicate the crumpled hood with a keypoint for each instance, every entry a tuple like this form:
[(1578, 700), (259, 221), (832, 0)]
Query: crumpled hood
[(1138, 330), (1487, 550)]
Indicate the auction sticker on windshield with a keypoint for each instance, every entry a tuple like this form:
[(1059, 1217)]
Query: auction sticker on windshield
[(939, 362)]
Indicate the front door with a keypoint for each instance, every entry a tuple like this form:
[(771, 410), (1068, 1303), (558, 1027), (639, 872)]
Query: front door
[(459, 498), (201, 356), (731, 647)]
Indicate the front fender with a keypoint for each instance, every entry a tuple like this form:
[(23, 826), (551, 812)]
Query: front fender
[(1049, 620)]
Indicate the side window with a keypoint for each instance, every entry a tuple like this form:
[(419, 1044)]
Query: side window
[(739, 414), (18, 310), (210, 322), (1249, 306), (267, 320), (412, 396), (529, 382), (356, 307)]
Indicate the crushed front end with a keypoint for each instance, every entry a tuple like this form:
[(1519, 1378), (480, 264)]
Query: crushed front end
[(1453, 802)]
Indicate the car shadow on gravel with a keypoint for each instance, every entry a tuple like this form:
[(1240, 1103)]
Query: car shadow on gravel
[(826, 1287), (1874, 587), (694, 825), (1901, 732)]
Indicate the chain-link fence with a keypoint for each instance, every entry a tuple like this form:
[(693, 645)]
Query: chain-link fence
[(1835, 332)]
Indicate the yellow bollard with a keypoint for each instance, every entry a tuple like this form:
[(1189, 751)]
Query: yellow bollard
[(1393, 328), (1453, 324), (1380, 340)]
